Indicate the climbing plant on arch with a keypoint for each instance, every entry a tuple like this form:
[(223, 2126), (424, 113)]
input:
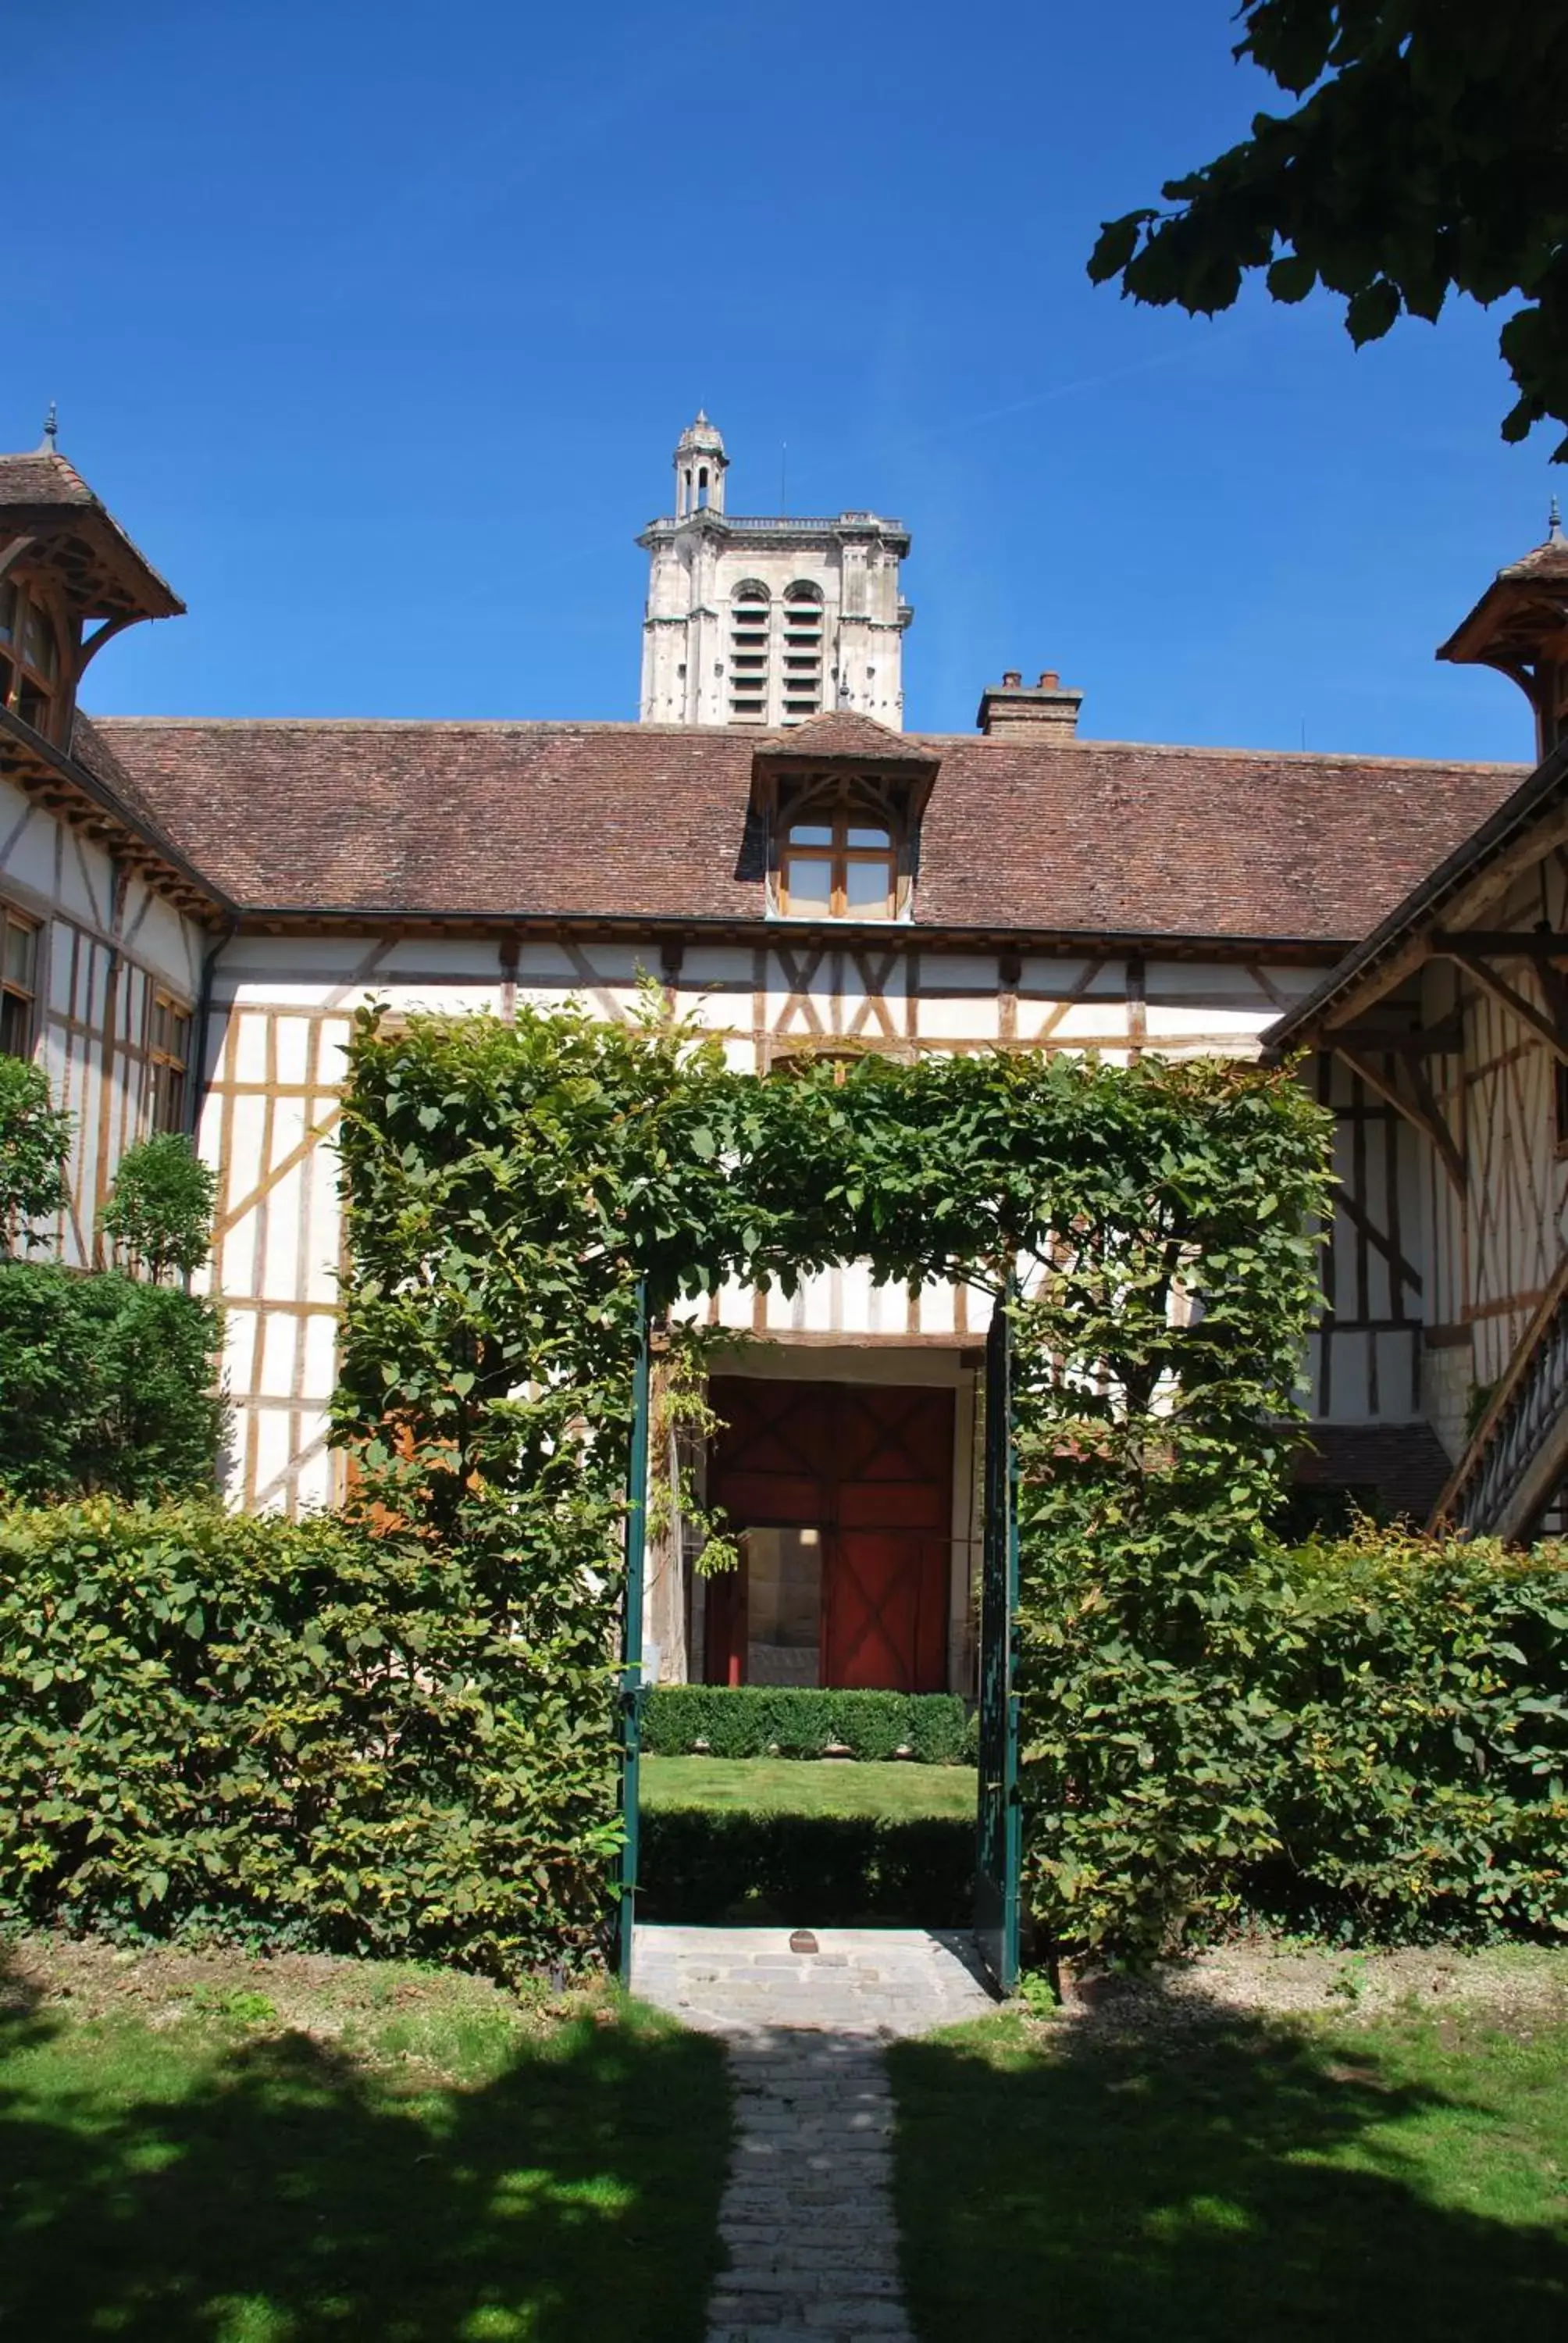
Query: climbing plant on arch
[(512, 1190)]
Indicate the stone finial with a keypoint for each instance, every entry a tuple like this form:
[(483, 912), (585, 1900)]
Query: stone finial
[(1555, 525), (48, 445)]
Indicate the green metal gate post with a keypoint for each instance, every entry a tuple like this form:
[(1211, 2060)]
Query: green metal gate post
[(631, 1683), (999, 1851)]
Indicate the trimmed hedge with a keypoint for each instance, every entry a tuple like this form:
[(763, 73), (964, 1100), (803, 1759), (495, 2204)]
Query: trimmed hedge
[(300, 1735), (831, 1871), (758, 1721), (1423, 1785), (105, 1384), (1368, 1738)]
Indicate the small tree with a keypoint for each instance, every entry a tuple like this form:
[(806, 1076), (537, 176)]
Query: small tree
[(159, 1211), (34, 1142)]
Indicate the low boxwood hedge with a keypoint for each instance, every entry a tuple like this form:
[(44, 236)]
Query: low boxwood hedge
[(760, 1721), (805, 1870)]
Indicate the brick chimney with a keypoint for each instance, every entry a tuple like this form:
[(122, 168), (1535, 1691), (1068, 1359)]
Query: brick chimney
[(1015, 710)]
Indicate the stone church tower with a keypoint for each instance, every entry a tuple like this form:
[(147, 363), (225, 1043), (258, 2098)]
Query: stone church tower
[(767, 622)]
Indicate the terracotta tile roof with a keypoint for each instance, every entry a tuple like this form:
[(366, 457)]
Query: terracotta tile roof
[(1547, 560), (841, 733), (1437, 900), (651, 821), (43, 478), (92, 751)]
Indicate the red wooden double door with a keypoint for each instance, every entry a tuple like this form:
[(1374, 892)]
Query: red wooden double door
[(855, 1479)]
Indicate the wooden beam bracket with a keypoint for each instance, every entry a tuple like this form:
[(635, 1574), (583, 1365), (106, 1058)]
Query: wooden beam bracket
[(1547, 1029), (1419, 1107)]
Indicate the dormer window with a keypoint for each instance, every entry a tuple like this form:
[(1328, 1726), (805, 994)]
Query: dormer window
[(839, 859), (836, 808), (29, 656)]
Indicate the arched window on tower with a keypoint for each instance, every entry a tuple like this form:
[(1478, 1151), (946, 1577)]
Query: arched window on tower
[(802, 651), (702, 489), (750, 621)]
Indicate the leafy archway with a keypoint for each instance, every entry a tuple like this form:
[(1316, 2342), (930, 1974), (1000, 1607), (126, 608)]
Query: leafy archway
[(513, 1190)]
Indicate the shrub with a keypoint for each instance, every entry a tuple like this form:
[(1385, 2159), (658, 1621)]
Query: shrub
[(1422, 1780), (1370, 1736), (823, 1870), (105, 1385), (159, 1211), (753, 1720), (296, 1734), (35, 1141)]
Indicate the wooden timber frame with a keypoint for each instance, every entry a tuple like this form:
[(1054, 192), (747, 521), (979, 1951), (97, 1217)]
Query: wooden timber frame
[(1455, 1017), (282, 1003)]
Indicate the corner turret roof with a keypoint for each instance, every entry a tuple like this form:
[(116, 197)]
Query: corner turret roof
[(43, 495), (1523, 604)]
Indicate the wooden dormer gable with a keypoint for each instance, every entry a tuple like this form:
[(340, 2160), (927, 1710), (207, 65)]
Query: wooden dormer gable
[(70, 579), (1520, 626), (837, 801)]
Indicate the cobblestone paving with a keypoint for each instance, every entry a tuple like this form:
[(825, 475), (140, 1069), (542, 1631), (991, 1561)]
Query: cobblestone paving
[(808, 2214)]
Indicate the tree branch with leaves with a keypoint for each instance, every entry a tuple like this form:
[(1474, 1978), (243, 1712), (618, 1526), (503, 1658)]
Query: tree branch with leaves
[(1428, 156)]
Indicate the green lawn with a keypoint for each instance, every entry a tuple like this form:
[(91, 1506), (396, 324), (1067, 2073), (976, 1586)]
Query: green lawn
[(819, 1786), (409, 2159), (1250, 2183)]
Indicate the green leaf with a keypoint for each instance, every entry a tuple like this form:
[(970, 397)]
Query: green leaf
[(1372, 312), (1292, 279)]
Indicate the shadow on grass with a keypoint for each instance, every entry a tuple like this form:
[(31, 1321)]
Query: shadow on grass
[(277, 2191), (1210, 2178)]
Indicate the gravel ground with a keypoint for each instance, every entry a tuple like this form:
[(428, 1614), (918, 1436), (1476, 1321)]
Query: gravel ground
[(1516, 1984)]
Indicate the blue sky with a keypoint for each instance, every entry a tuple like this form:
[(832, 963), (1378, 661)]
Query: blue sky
[(376, 324)]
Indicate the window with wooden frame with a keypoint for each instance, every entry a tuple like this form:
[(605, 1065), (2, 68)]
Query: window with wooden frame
[(839, 859), (19, 949), (29, 655), (168, 1060)]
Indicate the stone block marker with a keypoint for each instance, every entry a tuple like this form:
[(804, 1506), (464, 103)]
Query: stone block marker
[(808, 2212)]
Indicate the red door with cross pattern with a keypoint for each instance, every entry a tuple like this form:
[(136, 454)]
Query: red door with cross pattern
[(846, 1493)]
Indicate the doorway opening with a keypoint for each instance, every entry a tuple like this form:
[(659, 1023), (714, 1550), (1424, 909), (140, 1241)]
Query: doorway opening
[(840, 1497), (877, 1565)]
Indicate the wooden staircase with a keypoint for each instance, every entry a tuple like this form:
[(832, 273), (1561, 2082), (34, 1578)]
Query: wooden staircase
[(1517, 1458)]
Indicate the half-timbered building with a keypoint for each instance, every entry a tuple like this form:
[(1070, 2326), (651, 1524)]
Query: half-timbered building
[(203, 904), (1452, 1018)]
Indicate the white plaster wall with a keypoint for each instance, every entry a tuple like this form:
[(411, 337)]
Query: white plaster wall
[(282, 1016)]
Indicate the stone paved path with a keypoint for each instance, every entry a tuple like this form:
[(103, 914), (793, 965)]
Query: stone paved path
[(808, 2212)]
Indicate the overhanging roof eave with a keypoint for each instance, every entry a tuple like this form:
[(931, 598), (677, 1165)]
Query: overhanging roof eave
[(1547, 785)]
